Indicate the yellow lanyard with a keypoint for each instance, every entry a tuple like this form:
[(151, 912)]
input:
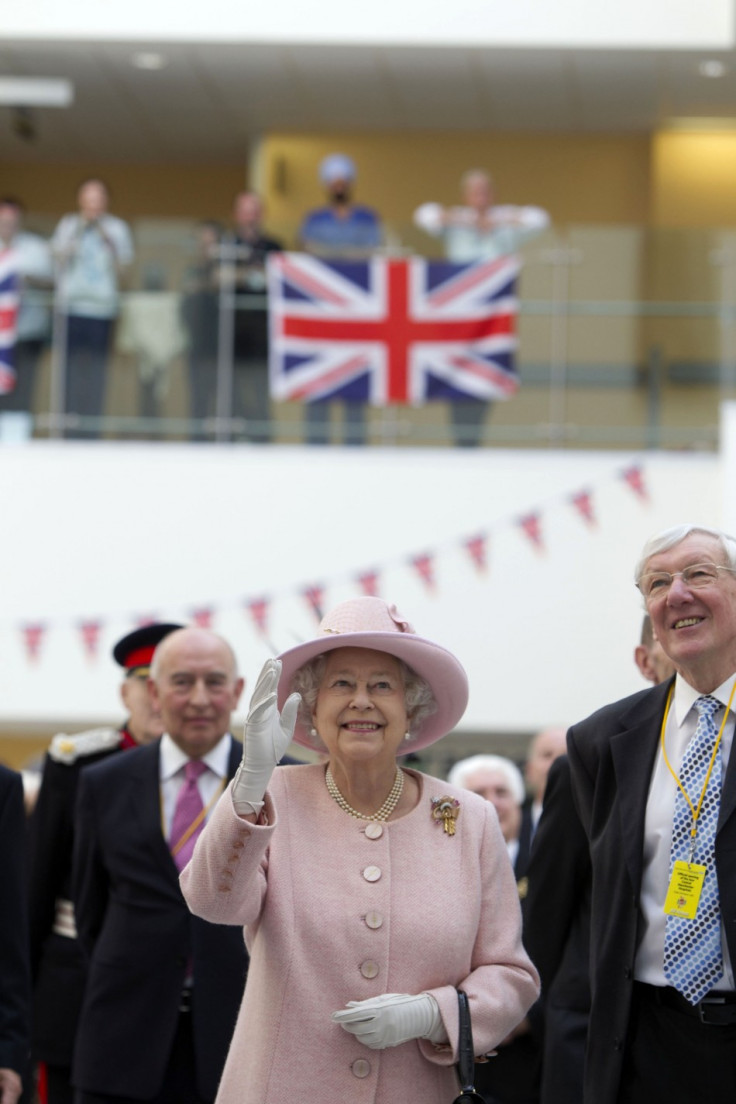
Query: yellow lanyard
[(175, 848), (695, 810)]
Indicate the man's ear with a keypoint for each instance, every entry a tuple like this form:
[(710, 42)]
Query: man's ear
[(644, 663)]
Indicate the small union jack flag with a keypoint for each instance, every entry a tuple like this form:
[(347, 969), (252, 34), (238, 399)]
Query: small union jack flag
[(391, 330), (9, 297)]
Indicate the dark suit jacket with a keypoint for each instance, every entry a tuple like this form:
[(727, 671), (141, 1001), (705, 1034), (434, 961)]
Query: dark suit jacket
[(557, 911), (557, 936), (140, 936), (57, 962), (15, 975), (612, 755)]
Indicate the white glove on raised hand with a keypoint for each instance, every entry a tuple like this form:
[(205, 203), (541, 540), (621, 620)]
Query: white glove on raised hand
[(267, 736), (391, 1019)]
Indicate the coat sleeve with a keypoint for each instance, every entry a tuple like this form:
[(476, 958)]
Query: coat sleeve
[(89, 878), (502, 983), (225, 880), (15, 983), (558, 869)]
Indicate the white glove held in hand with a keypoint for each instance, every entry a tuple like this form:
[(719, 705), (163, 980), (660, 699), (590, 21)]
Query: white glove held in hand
[(392, 1019), (267, 736)]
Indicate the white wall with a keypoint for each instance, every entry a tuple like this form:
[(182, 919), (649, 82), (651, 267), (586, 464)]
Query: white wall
[(108, 531), (656, 24)]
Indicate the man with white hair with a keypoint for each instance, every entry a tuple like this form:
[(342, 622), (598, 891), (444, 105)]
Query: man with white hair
[(499, 781), (655, 786)]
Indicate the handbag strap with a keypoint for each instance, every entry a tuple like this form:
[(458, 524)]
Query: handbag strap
[(465, 1056)]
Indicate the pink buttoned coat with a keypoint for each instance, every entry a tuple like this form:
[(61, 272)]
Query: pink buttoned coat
[(334, 913)]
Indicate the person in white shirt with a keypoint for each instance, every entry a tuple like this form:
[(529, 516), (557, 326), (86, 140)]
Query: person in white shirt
[(92, 249), (478, 230)]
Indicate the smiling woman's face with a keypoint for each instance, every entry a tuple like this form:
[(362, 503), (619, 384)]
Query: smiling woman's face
[(360, 713)]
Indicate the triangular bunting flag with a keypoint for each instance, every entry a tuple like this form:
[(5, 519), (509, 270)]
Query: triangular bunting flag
[(583, 503), (369, 583), (33, 638), (90, 631), (258, 609), (476, 547), (531, 526), (634, 476), (202, 617), (424, 565), (315, 596)]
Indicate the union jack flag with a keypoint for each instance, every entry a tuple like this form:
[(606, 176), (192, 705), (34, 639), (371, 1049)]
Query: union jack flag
[(391, 330), (9, 298)]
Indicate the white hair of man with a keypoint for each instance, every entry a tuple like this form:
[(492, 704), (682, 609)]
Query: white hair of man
[(668, 538), (464, 768)]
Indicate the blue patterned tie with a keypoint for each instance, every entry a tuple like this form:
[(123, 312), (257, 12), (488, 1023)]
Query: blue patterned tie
[(693, 961)]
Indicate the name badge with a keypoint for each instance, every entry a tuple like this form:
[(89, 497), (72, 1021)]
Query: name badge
[(686, 885)]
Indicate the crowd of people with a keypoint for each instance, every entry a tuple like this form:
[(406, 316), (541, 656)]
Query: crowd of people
[(190, 919), (84, 267)]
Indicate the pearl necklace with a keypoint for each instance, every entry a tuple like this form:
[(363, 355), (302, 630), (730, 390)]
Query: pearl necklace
[(381, 814)]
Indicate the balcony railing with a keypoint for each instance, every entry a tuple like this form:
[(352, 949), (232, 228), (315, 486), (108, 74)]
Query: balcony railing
[(627, 339)]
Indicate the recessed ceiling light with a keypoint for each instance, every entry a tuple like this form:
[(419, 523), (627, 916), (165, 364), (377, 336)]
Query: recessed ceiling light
[(148, 59), (711, 68), (36, 92)]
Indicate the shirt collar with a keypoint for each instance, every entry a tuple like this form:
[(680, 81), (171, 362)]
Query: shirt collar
[(172, 758), (686, 696)]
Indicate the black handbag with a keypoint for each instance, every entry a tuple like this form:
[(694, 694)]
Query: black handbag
[(465, 1055)]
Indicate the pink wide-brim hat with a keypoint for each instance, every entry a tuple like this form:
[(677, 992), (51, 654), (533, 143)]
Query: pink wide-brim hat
[(373, 623)]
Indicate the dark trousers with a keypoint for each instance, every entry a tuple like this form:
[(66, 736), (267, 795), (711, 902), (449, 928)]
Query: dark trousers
[(180, 1080), (317, 418), (563, 1055), (87, 352), (468, 418), (671, 1056), (26, 355)]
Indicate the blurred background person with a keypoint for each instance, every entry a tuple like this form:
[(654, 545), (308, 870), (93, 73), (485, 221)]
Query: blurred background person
[(56, 957), (342, 229), (200, 315), (33, 327), (478, 230), (247, 249), (545, 747), (499, 781), (92, 249), (512, 1075)]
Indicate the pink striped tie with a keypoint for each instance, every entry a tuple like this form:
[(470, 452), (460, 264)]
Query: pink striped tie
[(188, 807)]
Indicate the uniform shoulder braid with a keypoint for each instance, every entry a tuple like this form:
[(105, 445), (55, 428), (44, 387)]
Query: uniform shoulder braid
[(68, 749)]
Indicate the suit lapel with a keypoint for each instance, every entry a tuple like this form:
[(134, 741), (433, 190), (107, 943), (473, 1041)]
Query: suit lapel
[(148, 808), (633, 750)]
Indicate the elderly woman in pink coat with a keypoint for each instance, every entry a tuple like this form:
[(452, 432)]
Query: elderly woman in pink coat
[(369, 892)]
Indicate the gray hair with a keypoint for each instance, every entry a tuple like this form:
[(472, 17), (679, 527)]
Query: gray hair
[(463, 769), (419, 700), (668, 538)]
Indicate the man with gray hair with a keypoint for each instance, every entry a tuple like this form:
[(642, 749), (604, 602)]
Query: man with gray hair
[(656, 793), (499, 781)]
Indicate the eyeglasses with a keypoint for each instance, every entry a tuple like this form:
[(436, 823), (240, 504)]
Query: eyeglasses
[(657, 583)]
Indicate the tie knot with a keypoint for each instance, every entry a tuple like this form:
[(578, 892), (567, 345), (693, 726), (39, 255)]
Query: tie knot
[(706, 706), (194, 770)]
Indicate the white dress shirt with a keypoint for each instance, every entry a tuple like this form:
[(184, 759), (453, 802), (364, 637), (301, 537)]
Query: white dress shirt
[(681, 724)]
